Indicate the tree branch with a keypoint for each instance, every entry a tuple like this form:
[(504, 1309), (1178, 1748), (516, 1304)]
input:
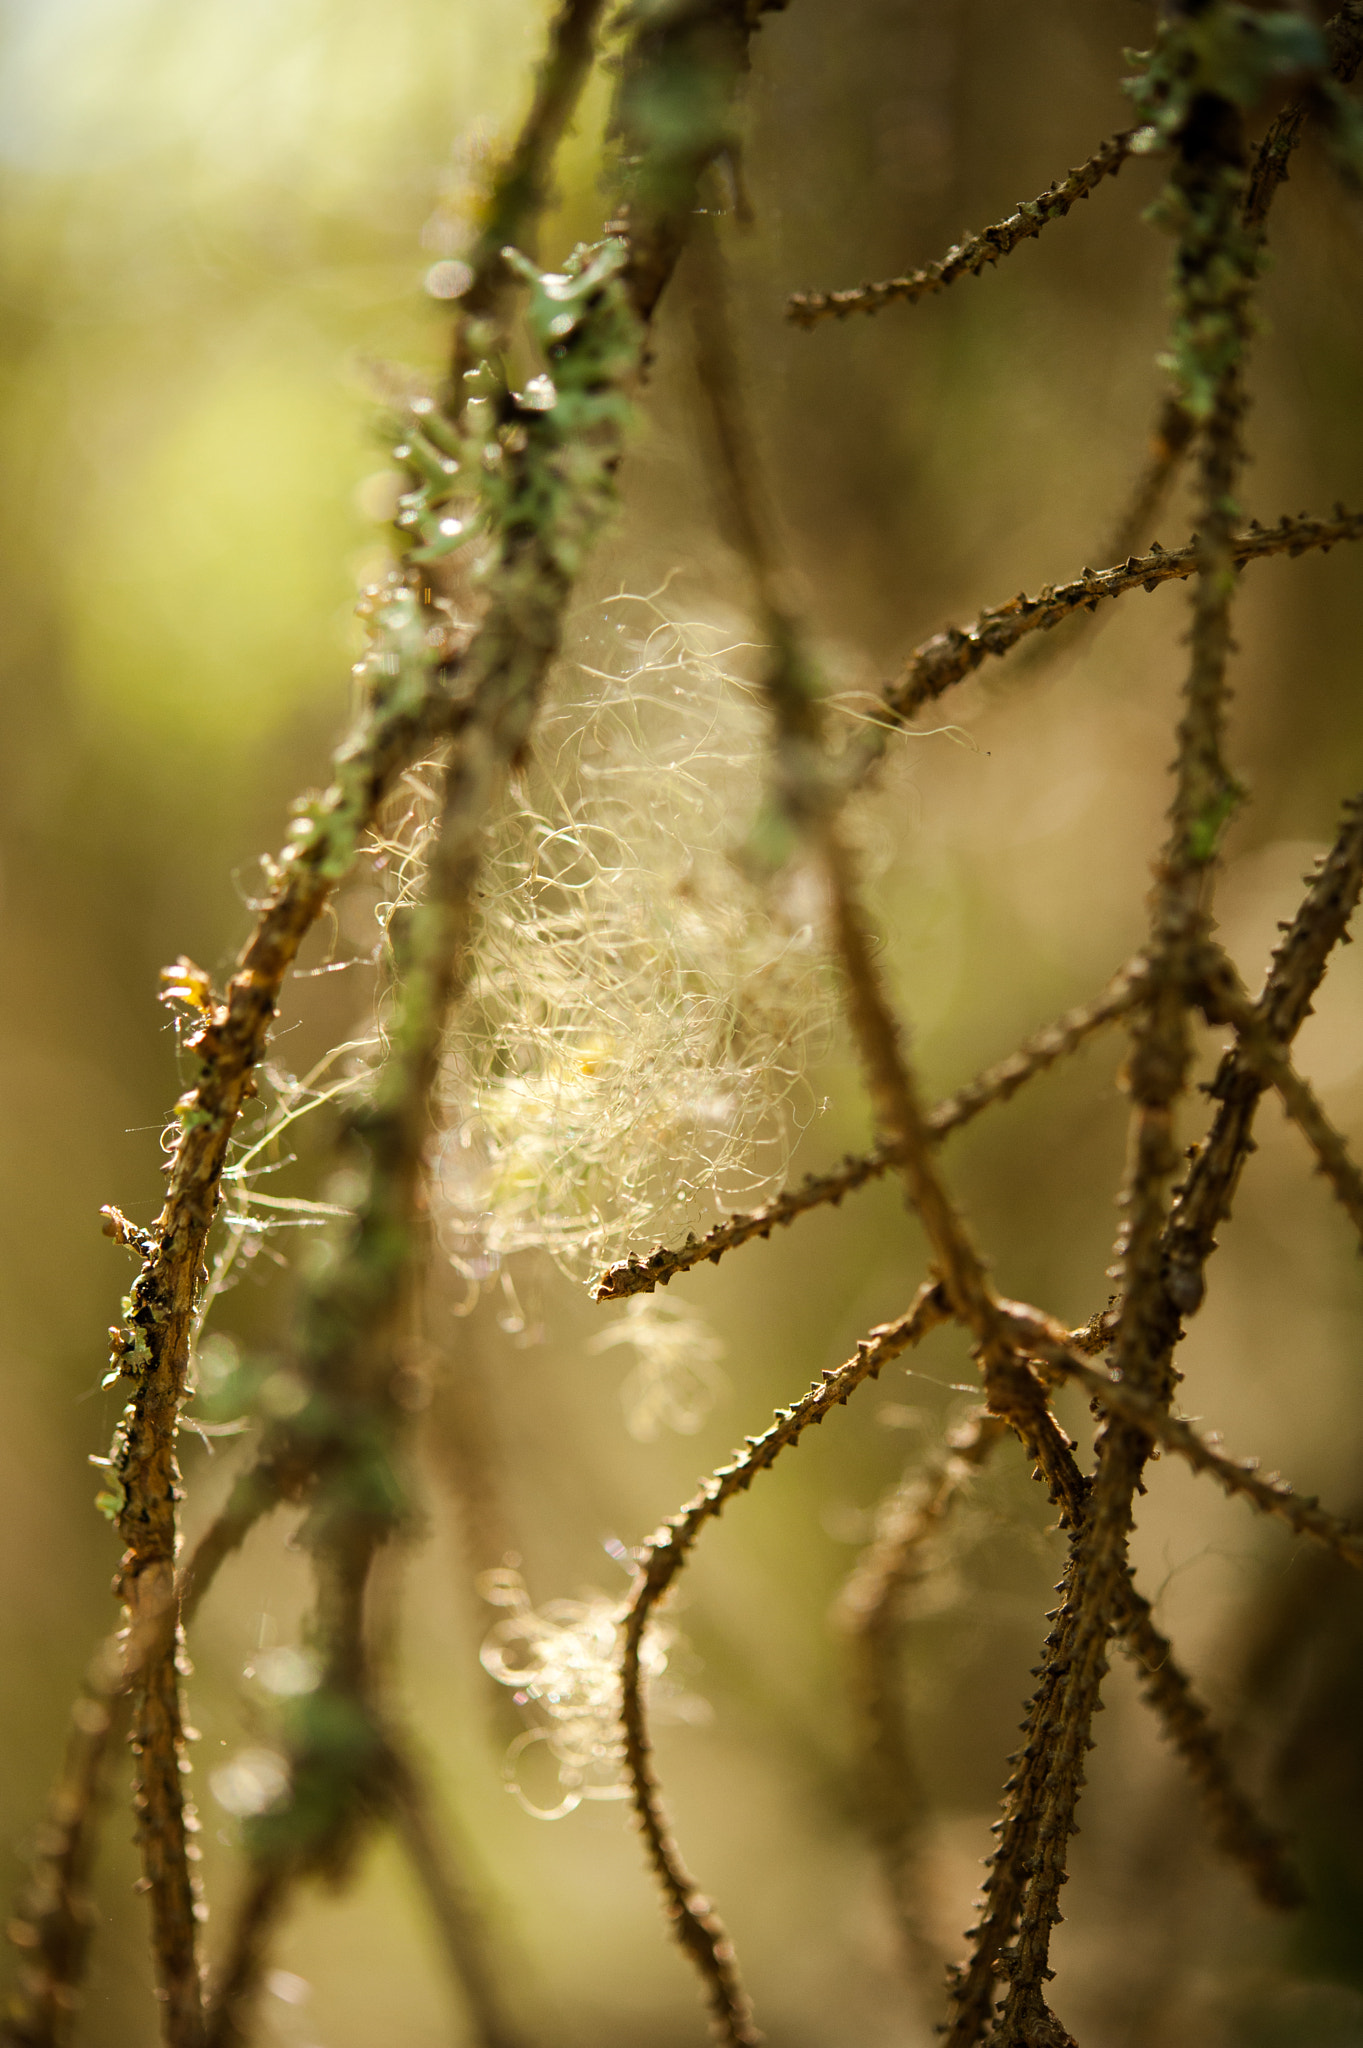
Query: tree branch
[(995, 1084), (950, 656), (970, 257), (698, 1929)]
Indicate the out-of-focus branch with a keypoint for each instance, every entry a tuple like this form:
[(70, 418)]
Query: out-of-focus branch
[(55, 1916), (675, 114), (554, 488), (970, 257), (1237, 1828), (459, 1922), (948, 657), (1344, 44), (520, 189), (869, 1614)]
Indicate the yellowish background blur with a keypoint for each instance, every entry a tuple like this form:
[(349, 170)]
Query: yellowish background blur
[(209, 218)]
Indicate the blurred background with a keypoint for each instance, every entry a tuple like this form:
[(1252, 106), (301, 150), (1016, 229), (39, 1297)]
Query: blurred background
[(210, 219)]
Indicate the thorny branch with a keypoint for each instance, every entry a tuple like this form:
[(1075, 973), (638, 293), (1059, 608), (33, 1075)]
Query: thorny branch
[(869, 1611), (407, 710), (411, 705), (1214, 270), (431, 682), (1226, 1002), (970, 257), (996, 1084), (341, 1447), (1148, 1416), (805, 799), (697, 1928), (1236, 1827), (948, 657), (559, 465), (1174, 427)]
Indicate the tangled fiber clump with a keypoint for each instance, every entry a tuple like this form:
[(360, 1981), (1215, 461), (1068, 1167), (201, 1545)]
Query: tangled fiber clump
[(644, 1005)]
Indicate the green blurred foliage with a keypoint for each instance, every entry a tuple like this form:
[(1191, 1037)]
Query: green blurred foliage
[(210, 220)]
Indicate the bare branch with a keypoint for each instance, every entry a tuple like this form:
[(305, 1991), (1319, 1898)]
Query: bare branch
[(995, 1084), (698, 1929), (1204, 1200), (1271, 1495), (1213, 278), (460, 1923), (1174, 426), (1236, 1826), (970, 257), (950, 656), (1228, 1003), (869, 1613)]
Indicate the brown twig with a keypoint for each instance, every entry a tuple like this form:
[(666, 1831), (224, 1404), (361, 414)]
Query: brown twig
[(698, 1929), (1237, 1828), (1344, 44), (970, 257), (1174, 427), (948, 657), (55, 1918), (549, 509), (152, 1347), (805, 795), (1271, 1495), (1227, 1002), (345, 1440), (869, 1611), (1213, 276), (411, 706), (1204, 1200), (995, 1084), (459, 1922)]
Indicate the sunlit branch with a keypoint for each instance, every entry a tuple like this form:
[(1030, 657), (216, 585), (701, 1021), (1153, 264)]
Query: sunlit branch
[(995, 1084), (698, 1929), (950, 656), (1271, 1495)]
